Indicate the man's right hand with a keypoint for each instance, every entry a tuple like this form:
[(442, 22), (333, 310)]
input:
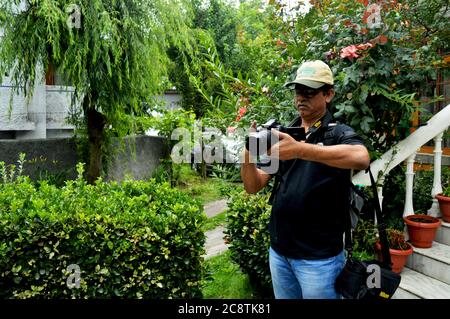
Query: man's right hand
[(254, 179)]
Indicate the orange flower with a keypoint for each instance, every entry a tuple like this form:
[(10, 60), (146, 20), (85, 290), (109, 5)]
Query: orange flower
[(281, 43), (364, 46), (383, 39)]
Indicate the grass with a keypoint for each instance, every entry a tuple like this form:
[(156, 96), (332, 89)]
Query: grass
[(213, 222), (226, 280), (204, 190)]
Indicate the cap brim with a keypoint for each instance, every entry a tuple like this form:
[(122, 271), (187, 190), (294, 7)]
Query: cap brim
[(309, 83)]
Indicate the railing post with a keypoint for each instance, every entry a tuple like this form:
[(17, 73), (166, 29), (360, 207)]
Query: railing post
[(409, 210), (437, 185), (380, 183)]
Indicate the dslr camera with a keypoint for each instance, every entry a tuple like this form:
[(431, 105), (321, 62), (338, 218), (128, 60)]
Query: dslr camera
[(263, 139)]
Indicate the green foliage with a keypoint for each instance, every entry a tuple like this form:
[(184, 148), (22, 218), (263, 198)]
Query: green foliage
[(248, 235), (225, 280), (380, 72), (224, 77), (446, 182), (394, 193), (228, 172), (423, 185), (166, 121), (131, 240), (115, 61), (394, 197), (220, 20), (169, 123), (364, 239), (215, 221), (203, 190)]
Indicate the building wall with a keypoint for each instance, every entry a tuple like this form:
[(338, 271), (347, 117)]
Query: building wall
[(46, 114), (58, 157)]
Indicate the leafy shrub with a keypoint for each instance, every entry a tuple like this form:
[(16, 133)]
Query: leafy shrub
[(364, 238), (248, 235), (131, 240)]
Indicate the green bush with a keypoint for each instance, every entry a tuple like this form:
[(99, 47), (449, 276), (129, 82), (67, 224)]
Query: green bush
[(131, 240), (248, 236)]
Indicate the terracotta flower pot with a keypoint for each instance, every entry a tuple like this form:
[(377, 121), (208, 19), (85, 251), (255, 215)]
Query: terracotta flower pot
[(398, 257), (444, 206), (422, 229)]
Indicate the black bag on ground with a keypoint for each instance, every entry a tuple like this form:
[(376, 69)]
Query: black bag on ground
[(373, 279)]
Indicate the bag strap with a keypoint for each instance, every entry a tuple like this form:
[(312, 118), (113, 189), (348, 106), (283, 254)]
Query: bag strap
[(381, 225)]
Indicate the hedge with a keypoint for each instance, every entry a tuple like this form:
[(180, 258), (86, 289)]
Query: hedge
[(135, 239), (248, 235)]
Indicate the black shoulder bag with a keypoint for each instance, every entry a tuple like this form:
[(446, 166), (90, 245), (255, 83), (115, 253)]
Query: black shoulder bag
[(373, 280)]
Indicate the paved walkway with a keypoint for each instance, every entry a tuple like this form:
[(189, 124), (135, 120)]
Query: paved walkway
[(214, 208), (215, 244)]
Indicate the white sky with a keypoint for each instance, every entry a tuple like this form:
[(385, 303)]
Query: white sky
[(290, 4)]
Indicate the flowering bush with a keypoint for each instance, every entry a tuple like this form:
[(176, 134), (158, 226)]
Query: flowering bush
[(384, 56)]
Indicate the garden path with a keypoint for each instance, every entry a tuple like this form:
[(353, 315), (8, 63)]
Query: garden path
[(215, 244)]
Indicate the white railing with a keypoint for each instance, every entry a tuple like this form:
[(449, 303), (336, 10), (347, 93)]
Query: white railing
[(406, 150)]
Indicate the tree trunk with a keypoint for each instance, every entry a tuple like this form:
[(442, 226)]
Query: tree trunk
[(95, 127)]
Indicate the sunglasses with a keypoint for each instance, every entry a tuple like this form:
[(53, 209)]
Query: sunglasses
[(307, 92)]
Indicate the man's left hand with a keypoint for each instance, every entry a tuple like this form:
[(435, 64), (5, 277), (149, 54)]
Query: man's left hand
[(287, 147)]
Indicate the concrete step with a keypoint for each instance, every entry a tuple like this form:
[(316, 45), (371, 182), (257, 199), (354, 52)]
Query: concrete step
[(215, 208), (433, 261), (443, 234), (215, 244), (415, 285)]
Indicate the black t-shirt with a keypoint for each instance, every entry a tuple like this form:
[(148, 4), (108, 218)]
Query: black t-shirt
[(310, 203)]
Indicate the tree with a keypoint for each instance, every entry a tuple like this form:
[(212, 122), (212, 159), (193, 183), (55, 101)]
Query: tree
[(114, 58)]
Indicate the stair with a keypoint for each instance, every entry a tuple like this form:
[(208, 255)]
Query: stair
[(427, 272), (443, 234), (415, 285)]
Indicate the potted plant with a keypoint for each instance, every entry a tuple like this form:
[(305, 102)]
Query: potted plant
[(399, 249), (444, 202), (422, 229)]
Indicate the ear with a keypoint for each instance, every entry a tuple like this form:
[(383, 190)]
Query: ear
[(329, 96)]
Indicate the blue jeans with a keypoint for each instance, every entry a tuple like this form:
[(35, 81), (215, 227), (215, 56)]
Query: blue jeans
[(303, 278)]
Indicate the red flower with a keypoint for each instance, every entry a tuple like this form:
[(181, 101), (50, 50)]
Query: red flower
[(349, 52), (242, 111)]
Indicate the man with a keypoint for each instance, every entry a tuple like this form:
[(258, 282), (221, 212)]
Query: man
[(310, 201)]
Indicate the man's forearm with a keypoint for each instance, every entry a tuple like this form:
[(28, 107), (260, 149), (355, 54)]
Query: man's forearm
[(254, 179), (342, 156)]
